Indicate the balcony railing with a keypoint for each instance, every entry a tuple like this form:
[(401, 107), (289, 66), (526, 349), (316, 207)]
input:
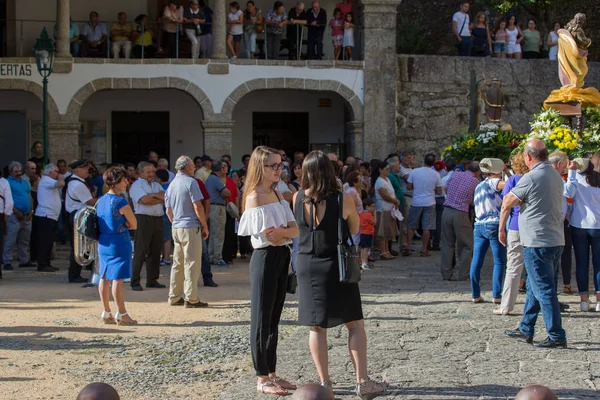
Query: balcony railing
[(294, 42)]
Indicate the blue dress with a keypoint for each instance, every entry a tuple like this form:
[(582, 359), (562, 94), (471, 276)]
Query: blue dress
[(114, 246)]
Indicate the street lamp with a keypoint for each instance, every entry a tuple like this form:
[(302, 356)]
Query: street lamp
[(44, 59)]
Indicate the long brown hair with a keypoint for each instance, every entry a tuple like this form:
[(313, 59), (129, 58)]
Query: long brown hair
[(256, 170), (318, 176)]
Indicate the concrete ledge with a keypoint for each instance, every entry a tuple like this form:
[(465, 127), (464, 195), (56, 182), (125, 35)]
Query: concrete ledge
[(17, 60), (218, 69)]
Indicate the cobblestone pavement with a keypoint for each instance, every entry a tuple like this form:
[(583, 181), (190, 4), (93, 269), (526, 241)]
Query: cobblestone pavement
[(425, 336), (429, 341)]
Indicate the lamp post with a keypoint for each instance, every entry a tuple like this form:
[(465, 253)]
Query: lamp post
[(44, 59)]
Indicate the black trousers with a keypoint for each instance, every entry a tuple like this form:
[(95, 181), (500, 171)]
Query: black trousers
[(46, 233), (268, 283), (147, 247), (566, 262), (315, 43), (230, 242), (74, 268), (172, 43), (245, 245)]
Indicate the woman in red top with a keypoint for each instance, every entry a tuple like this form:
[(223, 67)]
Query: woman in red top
[(345, 7), (230, 247)]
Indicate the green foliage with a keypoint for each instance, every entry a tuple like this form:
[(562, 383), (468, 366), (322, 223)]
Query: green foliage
[(490, 140), (410, 37)]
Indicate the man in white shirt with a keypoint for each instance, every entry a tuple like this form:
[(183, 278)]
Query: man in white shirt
[(6, 210), (425, 183), (47, 214), (148, 198), (163, 163), (77, 196), (462, 30)]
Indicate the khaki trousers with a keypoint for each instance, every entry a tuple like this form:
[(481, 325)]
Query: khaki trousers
[(457, 240), (403, 234), (187, 264), (514, 267)]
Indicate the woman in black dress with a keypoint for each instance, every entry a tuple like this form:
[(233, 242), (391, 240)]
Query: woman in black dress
[(324, 302)]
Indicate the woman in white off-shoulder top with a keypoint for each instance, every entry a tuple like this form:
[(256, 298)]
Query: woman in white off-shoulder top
[(269, 221)]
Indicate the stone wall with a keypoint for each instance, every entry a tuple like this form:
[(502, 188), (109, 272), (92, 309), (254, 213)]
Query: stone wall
[(433, 103)]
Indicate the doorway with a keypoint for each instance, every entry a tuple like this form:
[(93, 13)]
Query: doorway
[(134, 134), (281, 130), (13, 137)]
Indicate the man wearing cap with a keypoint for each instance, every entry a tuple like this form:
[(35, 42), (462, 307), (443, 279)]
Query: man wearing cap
[(148, 197), (77, 196), (540, 195), (206, 170), (215, 185)]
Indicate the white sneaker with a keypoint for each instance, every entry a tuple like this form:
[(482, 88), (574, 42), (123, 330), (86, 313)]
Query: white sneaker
[(584, 306), (598, 306), (365, 267)]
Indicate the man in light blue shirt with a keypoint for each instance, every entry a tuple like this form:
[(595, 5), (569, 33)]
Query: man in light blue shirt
[(18, 225), (95, 36), (183, 202), (218, 212), (73, 38)]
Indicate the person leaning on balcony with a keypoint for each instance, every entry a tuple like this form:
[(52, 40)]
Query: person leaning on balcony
[(120, 36), (193, 16), (206, 44), (297, 19), (142, 38), (275, 20), (94, 36), (73, 38), (172, 16), (317, 21)]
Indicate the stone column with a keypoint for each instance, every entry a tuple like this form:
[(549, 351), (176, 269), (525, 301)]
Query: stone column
[(380, 77), (354, 138), (63, 140), (219, 30), (218, 135), (63, 25)]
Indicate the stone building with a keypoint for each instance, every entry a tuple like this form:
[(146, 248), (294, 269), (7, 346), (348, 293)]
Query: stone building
[(117, 110)]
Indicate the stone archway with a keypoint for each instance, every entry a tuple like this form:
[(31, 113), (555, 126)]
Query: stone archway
[(98, 85), (31, 87), (354, 104)]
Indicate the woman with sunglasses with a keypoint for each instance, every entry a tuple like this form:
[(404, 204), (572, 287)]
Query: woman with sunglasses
[(268, 219)]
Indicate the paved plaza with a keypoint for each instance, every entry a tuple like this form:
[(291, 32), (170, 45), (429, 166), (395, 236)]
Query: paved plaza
[(426, 339)]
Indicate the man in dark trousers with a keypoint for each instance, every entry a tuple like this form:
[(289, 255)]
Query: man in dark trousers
[(316, 22)]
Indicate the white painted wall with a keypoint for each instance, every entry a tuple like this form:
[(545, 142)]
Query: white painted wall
[(326, 124), (185, 115)]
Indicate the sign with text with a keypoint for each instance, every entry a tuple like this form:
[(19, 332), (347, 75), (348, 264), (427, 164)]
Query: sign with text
[(16, 69)]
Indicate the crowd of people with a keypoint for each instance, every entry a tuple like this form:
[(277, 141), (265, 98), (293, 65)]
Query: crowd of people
[(193, 22), (504, 39)]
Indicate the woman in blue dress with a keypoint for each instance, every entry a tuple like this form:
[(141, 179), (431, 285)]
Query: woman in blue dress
[(115, 219)]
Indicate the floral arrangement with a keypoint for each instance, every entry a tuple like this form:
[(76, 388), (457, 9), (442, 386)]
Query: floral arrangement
[(490, 140), (556, 131)]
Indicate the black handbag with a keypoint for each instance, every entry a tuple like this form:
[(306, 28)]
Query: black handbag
[(292, 282), (348, 257)]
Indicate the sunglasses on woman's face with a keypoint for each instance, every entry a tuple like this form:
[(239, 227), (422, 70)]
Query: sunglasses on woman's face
[(275, 167)]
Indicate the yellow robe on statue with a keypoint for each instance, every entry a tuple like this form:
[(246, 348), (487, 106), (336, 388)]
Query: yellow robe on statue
[(572, 69)]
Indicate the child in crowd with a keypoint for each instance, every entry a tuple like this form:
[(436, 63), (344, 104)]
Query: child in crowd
[(235, 31), (500, 40), (162, 175), (348, 36), (367, 230), (337, 32)]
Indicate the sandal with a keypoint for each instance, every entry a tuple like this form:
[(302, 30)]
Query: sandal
[(370, 389), (499, 311), (568, 290), (269, 387), (108, 318), (372, 258), (478, 300), (497, 301), (425, 254), (327, 385), (387, 256), (284, 384), (121, 320), (406, 252)]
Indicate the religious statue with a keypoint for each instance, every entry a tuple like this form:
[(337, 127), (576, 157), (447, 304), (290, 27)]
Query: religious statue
[(572, 66), (494, 100)]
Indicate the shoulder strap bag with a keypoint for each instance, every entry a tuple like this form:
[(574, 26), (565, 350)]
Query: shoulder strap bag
[(456, 41), (348, 258), (292, 281)]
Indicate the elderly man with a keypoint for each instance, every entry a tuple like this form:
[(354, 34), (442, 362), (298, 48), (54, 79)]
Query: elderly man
[(18, 225), (407, 161), (31, 173), (316, 21), (153, 157), (148, 197), (540, 194), (206, 169), (77, 196), (163, 163), (183, 201), (297, 18), (6, 209), (560, 162), (425, 184), (94, 36), (215, 185), (98, 391), (457, 229), (120, 36), (47, 215)]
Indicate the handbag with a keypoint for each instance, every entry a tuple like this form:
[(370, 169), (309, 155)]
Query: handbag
[(348, 258), (88, 225), (292, 282), (233, 210)]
